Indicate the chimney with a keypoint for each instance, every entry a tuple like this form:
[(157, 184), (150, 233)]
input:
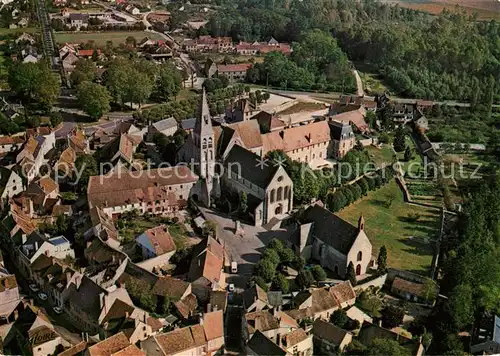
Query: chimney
[(380, 323), (308, 137), (361, 223), (16, 314)]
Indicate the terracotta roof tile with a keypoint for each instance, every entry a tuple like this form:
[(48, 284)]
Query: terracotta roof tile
[(180, 340), (74, 350), (160, 239), (156, 325), (213, 324), (294, 338), (187, 306), (131, 350), (171, 287), (8, 282), (110, 345), (11, 140), (241, 67), (48, 185), (249, 132), (355, 117), (409, 287), (343, 292), (261, 320)]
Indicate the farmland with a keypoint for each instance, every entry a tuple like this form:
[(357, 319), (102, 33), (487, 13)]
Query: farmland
[(100, 38), (486, 9)]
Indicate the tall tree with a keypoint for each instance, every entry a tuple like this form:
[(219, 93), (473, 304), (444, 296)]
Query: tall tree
[(382, 260), (351, 274), (85, 70), (400, 139), (490, 94), (94, 99), (475, 93)]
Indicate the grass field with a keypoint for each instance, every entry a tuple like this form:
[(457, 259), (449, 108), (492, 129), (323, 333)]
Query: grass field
[(486, 9), (10, 31), (408, 243), (302, 106), (100, 38), (380, 156)]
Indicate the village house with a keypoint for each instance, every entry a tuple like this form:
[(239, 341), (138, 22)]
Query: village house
[(157, 246), (209, 44), (255, 299), (156, 191), (10, 299), (31, 158), (370, 332), (25, 38), (117, 344), (414, 291), (259, 345), (10, 143), (166, 127), (78, 20), (332, 241), (252, 49), (273, 324), (329, 338), (206, 271), (206, 337), (234, 72), (297, 342), (351, 113), (102, 227), (11, 184), (485, 338)]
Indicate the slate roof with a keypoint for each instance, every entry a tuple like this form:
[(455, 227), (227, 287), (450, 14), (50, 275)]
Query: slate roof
[(327, 331), (330, 229), (165, 124), (340, 130), (252, 293), (261, 345), (188, 124), (247, 164)]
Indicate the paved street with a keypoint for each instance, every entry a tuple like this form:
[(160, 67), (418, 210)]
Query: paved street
[(246, 249)]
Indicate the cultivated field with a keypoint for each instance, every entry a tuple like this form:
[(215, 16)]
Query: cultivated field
[(486, 9), (409, 243), (100, 38)]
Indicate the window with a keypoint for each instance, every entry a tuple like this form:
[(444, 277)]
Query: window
[(287, 192), (181, 197), (358, 270), (280, 178), (181, 186), (280, 194), (360, 256), (273, 192)]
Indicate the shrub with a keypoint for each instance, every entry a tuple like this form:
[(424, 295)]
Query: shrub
[(318, 273), (281, 283)]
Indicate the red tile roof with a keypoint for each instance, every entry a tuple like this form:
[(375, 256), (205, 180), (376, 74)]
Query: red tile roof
[(161, 239), (213, 324), (343, 292), (296, 137), (87, 52), (110, 345), (242, 67)]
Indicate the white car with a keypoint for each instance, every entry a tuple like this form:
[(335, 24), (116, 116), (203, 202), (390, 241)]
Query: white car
[(42, 296), (57, 310), (34, 287), (231, 287)]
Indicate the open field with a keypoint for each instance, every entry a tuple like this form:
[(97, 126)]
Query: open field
[(409, 243), (12, 31), (486, 9), (380, 156), (100, 38), (302, 106)]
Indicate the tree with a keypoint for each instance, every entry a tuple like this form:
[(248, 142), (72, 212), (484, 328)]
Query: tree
[(400, 139), (364, 185), (389, 196), (260, 282), (272, 255), (392, 316), (276, 245), (85, 167), (371, 119), (408, 154), (339, 318), (168, 83), (351, 274), (280, 283), (265, 269), (55, 118), (287, 255), (34, 82), (243, 203), (384, 138), (304, 279), (266, 96), (131, 41), (319, 273), (490, 94), (85, 71), (209, 228), (387, 347), (475, 93), (336, 201), (94, 99), (430, 290), (461, 302), (382, 260)]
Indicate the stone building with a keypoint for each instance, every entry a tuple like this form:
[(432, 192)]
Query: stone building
[(343, 139), (332, 241)]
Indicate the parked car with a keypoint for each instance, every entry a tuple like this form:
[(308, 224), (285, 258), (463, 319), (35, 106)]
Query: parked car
[(57, 310), (234, 267), (42, 296), (34, 287), (231, 287)]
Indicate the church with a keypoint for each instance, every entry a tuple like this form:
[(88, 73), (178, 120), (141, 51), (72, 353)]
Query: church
[(222, 161)]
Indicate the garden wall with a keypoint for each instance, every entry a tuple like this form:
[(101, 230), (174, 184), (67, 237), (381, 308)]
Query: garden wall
[(377, 282)]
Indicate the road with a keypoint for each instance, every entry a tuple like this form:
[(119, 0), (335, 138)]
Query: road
[(48, 40), (359, 83)]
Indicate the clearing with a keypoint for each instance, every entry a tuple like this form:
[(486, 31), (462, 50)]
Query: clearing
[(380, 156), (100, 38), (301, 107), (408, 242)]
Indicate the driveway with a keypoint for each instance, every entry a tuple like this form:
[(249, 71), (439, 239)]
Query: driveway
[(245, 249)]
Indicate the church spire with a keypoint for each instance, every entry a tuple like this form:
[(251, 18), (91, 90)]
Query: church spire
[(203, 124)]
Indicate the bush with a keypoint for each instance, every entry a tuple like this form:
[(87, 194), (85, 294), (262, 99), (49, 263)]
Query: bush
[(281, 283), (271, 255), (339, 318), (304, 279), (318, 273), (265, 268), (260, 282), (392, 316)]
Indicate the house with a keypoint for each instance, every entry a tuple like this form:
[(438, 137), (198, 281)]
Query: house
[(297, 342), (17, 224), (43, 193), (414, 291), (242, 111), (310, 143), (370, 332), (167, 127), (343, 138), (78, 20), (58, 3), (332, 241), (244, 133), (188, 125), (344, 294), (25, 38), (272, 324), (218, 301), (115, 345), (420, 122), (32, 156), (156, 191), (486, 336), (313, 304), (77, 140), (251, 49), (10, 184), (354, 313), (268, 122), (157, 246), (65, 165), (103, 227), (255, 299), (259, 345), (355, 117), (120, 151), (209, 44), (424, 105), (30, 59), (205, 337), (206, 271), (402, 113), (10, 299), (10, 143), (234, 72), (329, 338)]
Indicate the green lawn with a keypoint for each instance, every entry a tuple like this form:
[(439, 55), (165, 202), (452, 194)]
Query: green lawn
[(100, 38), (380, 156), (407, 242), (8, 31)]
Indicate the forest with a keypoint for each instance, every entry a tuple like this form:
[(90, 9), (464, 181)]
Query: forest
[(417, 54)]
